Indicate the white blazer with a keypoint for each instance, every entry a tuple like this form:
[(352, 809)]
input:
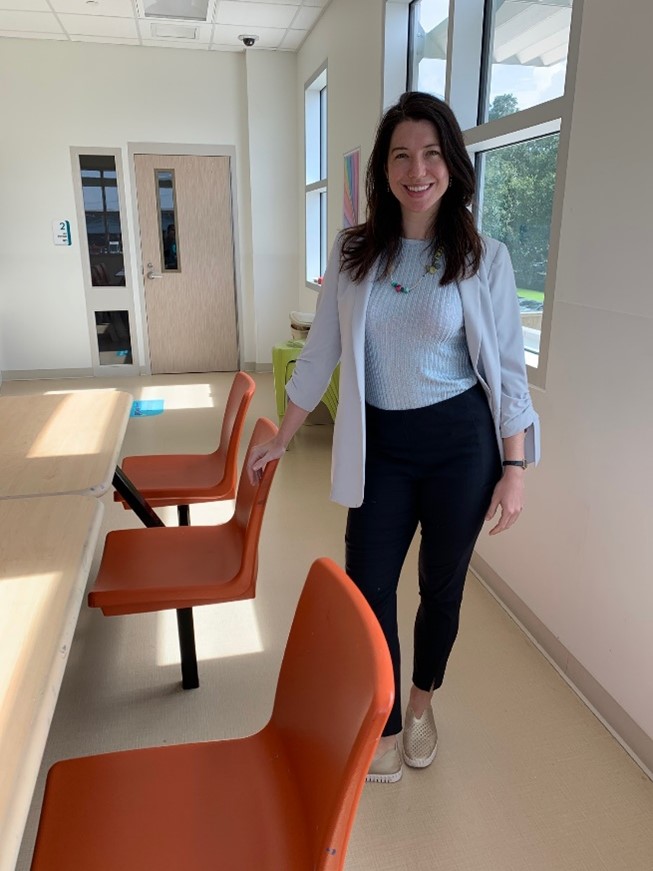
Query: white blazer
[(494, 338)]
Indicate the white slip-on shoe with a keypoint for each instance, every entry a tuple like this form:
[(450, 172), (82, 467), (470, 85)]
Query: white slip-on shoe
[(388, 768), (420, 738)]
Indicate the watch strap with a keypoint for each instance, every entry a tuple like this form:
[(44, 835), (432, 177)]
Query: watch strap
[(521, 463)]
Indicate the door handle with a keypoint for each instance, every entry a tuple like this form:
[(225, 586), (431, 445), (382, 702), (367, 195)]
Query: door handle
[(152, 273)]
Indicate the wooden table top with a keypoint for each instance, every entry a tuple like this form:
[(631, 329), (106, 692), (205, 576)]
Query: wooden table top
[(61, 443), (46, 550)]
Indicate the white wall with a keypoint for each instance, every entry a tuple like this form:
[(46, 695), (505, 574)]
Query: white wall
[(64, 94), (581, 557), (349, 36), (274, 178)]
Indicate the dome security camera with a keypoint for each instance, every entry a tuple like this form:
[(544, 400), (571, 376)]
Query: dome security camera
[(248, 39)]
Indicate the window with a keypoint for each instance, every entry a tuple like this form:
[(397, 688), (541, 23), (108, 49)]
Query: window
[(503, 67), (315, 127), (102, 213)]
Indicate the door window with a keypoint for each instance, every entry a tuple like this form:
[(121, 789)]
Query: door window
[(165, 191)]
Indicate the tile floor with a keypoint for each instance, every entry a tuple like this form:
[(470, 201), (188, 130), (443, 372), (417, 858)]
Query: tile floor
[(526, 778)]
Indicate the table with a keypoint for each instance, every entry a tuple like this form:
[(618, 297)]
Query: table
[(58, 453), (284, 357), (46, 550), (63, 443)]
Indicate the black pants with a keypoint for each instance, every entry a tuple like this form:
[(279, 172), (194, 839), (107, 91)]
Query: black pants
[(437, 467)]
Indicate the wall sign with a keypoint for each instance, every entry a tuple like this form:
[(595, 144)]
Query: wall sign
[(61, 233)]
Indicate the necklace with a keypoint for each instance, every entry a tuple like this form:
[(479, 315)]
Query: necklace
[(429, 269)]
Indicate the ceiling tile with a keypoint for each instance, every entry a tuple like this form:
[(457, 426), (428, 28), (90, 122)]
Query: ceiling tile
[(293, 39), (277, 2), (320, 3), (99, 25), (37, 22), (114, 8), (176, 43), (19, 34), (306, 17), (269, 37), (255, 15), (26, 5), (113, 40), (225, 48)]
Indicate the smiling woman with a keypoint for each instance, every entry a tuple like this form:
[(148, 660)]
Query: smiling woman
[(422, 314)]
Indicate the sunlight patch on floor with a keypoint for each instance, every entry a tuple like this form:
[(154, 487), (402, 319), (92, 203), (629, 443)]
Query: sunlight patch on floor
[(221, 631), (177, 396)]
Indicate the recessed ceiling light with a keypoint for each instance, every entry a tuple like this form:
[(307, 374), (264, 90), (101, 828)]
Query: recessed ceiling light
[(189, 10)]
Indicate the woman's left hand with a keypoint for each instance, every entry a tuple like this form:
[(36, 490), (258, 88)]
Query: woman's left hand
[(509, 496)]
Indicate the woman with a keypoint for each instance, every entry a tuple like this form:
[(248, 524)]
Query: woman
[(435, 424)]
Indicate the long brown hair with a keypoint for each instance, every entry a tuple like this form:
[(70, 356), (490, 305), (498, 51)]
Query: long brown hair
[(453, 229)]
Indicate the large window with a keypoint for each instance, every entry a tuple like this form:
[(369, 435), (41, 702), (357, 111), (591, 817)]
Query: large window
[(315, 126), (502, 66)]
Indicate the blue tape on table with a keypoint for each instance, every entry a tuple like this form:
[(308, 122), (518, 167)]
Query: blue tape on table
[(146, 407)]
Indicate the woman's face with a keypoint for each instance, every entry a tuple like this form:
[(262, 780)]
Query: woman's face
[(417, 173)]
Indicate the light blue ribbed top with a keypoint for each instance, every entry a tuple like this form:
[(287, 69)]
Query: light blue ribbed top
[(416, 351)]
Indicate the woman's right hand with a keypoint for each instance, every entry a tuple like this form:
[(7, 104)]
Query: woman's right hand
[(260, 456)]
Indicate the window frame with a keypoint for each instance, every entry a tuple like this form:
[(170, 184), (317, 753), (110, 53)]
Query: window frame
[(315, 176)]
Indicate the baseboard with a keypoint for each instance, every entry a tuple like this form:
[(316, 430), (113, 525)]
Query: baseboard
[(262, 367), (631, 736), (45, 374)]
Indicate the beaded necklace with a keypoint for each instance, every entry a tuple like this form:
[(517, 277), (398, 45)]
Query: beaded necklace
[(429, 269)]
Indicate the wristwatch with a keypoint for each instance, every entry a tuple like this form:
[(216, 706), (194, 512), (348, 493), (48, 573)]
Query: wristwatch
[(521, 463)]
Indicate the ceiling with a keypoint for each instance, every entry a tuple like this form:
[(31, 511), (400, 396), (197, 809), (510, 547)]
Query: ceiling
[(190, 24)]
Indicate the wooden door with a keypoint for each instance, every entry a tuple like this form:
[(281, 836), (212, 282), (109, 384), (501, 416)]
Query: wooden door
[(185, 218)]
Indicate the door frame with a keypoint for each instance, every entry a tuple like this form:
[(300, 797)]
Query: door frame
[(182, 150)]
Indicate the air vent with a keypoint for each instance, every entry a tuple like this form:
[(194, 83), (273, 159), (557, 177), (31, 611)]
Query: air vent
[(173, 31)]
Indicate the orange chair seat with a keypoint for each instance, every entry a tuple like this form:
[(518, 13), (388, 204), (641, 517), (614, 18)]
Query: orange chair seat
[(228, 805), (170, 567), (185, 479), (179, 479)]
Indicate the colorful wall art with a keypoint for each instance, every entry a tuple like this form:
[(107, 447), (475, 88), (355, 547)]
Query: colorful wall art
[(350, 199)]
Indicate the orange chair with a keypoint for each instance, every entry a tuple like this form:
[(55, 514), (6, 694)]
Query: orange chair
[(283, 799), (159, 568), (185, 479)]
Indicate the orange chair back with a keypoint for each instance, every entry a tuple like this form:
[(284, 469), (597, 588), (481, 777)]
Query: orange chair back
[(251, 500), (334, 695), (233, 421)]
